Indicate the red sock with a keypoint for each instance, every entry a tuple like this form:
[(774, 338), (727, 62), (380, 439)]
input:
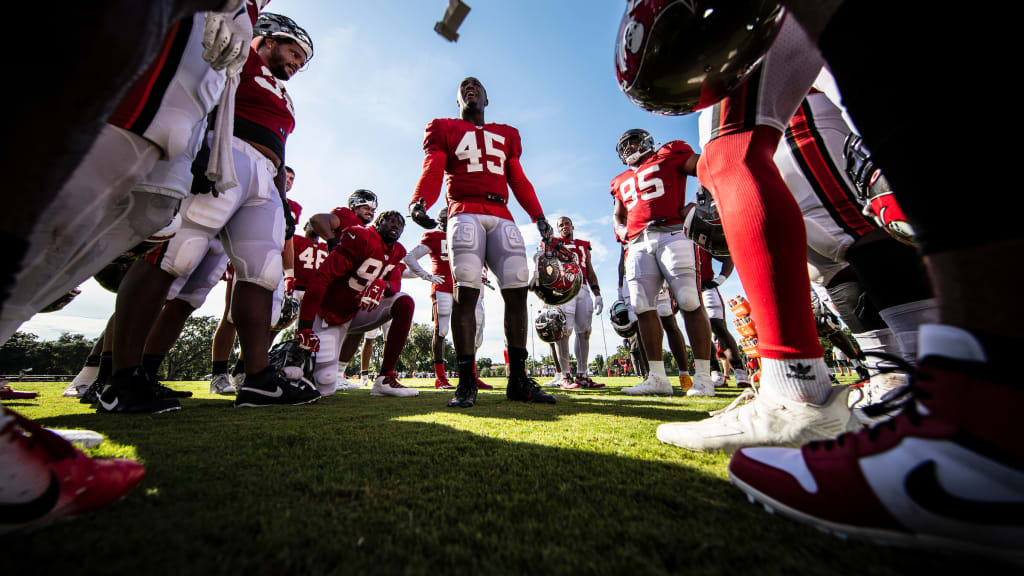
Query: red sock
[(439, 370), (767, 239), (401, 320)]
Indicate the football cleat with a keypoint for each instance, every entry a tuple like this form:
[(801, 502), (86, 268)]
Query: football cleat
[(762, 419), (652, 386), (75, 484), (481, 385), (685, 382), (221, 384), (78, 386), (442, 383), (522, 388), (388, 385), (134, 393), (272, 388), (702, 386), (586, 382), (943, 474), (7, 393), (556, 381), (465, 396), (92, 393), (570, 384)]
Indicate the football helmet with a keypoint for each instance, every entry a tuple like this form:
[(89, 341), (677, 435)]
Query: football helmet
[(559, 278), (442, 219), (874, 192), (272, 25), (362, 197), (644, 147), (289, 312), (293, 361), (678, 56), (623, 324), (703, 225), (550, 325)]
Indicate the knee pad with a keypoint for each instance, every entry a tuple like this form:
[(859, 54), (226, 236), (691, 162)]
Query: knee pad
[(151, 212), (258, 262), (326, 374), (185, 251), (443, 312), (207, 211)]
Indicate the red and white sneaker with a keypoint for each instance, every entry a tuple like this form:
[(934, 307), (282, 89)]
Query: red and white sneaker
[(442, 383), (388, 385), (46, 478), (945, 473), (481, 385), (586, 382), (570, 384)]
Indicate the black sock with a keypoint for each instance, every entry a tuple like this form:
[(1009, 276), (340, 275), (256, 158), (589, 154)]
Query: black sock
[(239, 368), (364, 373), (466, 363), (151, 364), (220, 367), (93, 360), (517, 361), (106, 365)]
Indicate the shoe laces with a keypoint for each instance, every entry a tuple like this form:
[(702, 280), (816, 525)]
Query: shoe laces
[(391, 379), (902, 400), (33, 434), (748, 395)]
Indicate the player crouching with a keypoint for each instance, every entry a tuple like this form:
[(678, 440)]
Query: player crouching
[(357, 290)]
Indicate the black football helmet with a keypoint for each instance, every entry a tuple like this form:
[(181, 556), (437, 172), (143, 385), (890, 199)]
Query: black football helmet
[(550, 325), (558, 278), (289, 312), (643, 140), (362, 197), (678, 56), (272, 25), (703, 225), (293, 361), (442, 219), (622, 323)]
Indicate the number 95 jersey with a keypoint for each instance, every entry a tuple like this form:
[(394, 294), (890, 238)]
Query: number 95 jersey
[(654, 190)]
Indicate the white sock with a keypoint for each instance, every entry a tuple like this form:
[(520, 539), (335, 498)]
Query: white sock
[(951, 342), (906, 319), (702, 367), (800, 379), (657, 369)]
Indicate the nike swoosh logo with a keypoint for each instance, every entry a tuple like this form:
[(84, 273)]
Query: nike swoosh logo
[(275, 394), (109, 407), (923, 487), (351, 235), (32, 510)]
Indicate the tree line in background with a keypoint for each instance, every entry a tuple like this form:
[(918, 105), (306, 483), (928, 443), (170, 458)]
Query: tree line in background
[(190, 358)]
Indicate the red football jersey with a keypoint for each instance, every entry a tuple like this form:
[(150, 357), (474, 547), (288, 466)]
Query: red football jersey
[(360, 257), (655, 190), (704, 266), (437, 242), (296, 209), (347, 217), (581, 248), (478, 162), (308, 258), (262, 100)]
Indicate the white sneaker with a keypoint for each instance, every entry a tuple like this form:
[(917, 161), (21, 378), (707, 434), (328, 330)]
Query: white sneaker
[(238, 380), (717, 378), (702, 386), (652, 386), (388, 385), (221, 384), (763, 419), (879, 388), (742, 379), (346, 384), (556, 381), (86, 376), (363, 381)]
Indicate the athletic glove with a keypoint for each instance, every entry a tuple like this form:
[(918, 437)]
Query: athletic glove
[(434, 279), (226, 38), (308, 340), (598, 304), (418, 213), (289, 281), (544, 228), (371, 296)]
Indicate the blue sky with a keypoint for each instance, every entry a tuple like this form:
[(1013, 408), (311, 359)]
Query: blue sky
[(380, 73)]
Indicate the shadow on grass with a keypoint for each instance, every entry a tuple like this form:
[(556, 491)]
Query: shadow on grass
[(343, 487)]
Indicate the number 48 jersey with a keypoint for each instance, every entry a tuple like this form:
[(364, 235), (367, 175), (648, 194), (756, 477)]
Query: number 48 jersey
[(655, 190), (308, 258)]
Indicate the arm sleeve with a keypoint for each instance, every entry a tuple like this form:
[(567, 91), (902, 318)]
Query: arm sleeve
[(412, 261), (523, 189), (429, 185)]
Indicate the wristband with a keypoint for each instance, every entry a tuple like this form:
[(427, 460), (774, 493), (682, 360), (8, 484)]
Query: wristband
[(719, 280)]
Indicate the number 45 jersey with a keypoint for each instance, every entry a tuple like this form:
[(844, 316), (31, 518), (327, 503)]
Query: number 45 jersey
[(655, 190), (360, 257)]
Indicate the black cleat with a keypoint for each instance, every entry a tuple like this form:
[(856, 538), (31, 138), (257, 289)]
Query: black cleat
[(465, 395), (133, 393), (271, 388), (92, 393), (522, 388), (162, 391)]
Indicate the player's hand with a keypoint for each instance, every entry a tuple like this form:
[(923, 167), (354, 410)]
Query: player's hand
[(435, 279), (598, 304), (544, 228), (371, 296), (308, 340), (226, 38), (289, 281), (418, 213)]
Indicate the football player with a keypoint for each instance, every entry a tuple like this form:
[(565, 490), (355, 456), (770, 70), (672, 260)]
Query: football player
[(481, 161), (251, 218), (649, 197), (355, 290), (579, 312), (715, 307), (435, 244)]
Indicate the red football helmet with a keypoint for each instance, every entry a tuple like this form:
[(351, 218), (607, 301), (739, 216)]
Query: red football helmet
[(678, 56), (559, 278)]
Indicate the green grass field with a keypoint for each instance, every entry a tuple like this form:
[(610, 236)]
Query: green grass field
[(356, 484)]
